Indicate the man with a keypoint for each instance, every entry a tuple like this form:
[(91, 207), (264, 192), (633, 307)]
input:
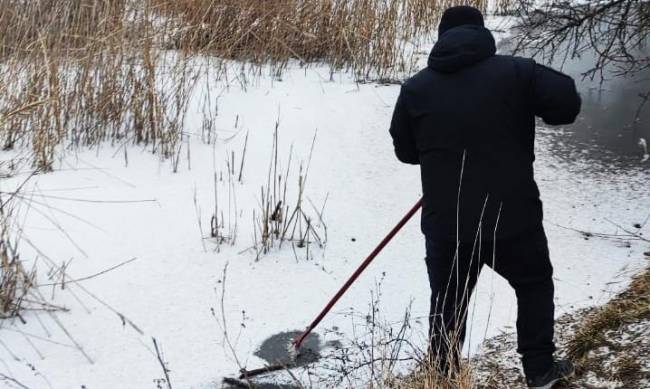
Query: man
[(468, 120)]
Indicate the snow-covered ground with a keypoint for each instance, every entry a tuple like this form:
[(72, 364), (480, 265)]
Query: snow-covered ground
[(172, 291)]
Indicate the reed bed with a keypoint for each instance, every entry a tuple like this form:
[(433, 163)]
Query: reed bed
[(371, 38), (84, 72), (88, 71)]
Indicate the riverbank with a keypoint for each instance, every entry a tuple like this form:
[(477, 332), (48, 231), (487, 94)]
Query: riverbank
[(610, 345)]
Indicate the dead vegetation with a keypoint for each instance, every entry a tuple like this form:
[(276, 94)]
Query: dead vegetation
[(19, 289), (24, 297), (83, 72), (280, 219), (428, 378), (629, 308), (368, 37), (16, 282)]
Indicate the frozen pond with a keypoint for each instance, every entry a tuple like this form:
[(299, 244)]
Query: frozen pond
[(590, 176)]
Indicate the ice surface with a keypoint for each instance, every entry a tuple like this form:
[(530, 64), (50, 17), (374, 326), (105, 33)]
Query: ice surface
[(173, 291)]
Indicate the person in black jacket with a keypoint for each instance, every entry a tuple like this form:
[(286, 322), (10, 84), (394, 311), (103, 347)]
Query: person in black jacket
[(468, 120)]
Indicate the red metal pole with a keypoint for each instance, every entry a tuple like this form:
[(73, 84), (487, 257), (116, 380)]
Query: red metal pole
[(298, 341)]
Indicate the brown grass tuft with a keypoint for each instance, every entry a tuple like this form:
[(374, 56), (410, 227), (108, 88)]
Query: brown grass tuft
[(15, 281), (427, 377), (602, 335), (630, 306)]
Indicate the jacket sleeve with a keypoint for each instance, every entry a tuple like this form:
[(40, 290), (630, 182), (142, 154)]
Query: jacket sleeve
[(402, 134), (555, 98)]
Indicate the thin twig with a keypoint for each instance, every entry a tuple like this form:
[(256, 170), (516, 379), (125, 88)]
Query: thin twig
[(162, 363)]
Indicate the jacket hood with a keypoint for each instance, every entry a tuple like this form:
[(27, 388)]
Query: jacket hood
[(460, 47)]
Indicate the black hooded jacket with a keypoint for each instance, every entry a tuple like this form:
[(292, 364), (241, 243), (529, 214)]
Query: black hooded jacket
[(468, 120)]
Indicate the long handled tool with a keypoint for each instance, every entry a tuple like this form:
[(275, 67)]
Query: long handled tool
[(297, 342)]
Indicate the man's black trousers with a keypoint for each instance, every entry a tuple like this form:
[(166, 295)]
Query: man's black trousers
[(524, 262)]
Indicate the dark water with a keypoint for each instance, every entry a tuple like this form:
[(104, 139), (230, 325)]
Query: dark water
[(612, 122)]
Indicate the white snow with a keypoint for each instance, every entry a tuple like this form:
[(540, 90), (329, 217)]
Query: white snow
[(169, 290)]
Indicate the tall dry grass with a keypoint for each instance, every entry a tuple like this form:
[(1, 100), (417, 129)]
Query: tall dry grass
[(16, 282), (372, 38), (90, 71), (123, 71)]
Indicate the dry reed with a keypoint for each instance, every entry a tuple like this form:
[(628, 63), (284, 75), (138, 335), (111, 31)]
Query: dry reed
[(89, 71), (372, 38), (83, 72), (631, 306), (16, 282)]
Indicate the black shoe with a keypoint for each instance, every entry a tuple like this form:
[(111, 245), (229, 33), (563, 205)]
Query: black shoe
[(558, 372)]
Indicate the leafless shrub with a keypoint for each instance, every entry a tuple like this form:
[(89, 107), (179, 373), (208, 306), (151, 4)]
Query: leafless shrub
[(615, 32)]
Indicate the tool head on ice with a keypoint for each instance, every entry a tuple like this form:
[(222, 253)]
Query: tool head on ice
[(280, 352), (281, 349)]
